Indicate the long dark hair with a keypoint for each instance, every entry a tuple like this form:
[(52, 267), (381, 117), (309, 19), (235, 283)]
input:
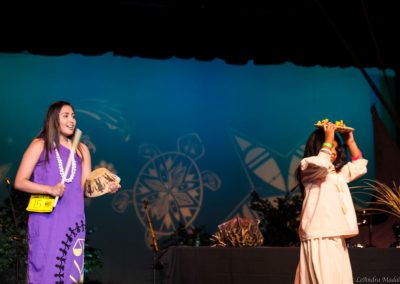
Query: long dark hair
[(314, 145), (51, 127)]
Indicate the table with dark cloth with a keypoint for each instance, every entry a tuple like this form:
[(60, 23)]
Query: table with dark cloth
[(249, 265)]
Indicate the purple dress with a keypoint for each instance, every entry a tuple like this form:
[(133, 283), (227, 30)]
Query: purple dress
[(56, 240)]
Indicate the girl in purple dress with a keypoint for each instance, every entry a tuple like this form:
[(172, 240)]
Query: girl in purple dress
[(56, 240)]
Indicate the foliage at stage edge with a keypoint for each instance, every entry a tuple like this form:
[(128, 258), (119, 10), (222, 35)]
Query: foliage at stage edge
[(13, 245), (279, 218), (279, 222), (12, 239)]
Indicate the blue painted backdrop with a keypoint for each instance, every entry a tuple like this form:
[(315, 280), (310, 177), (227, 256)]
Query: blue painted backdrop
[(193, 138)]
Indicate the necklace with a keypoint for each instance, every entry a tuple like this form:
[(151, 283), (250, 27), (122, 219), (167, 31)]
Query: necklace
[(61, 168)]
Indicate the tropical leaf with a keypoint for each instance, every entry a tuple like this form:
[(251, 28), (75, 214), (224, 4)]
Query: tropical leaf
[(384, 198)]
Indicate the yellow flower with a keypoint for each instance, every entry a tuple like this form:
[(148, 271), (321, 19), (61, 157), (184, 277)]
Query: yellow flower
[(340, 123)]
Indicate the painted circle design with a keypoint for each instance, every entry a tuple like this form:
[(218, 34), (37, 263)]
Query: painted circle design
[(172, 184)]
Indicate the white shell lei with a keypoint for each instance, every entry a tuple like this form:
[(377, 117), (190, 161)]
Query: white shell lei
[(61, 168)]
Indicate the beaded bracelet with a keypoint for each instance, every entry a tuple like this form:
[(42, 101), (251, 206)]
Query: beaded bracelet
[(326, 144)]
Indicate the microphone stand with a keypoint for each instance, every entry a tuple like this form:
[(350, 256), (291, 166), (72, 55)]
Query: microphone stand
[(156, 266), (16, 238)]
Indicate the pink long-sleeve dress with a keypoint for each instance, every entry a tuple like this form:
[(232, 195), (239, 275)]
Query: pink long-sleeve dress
[(328, 218)]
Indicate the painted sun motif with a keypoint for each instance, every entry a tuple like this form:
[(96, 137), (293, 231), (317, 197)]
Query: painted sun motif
[(172, 184)]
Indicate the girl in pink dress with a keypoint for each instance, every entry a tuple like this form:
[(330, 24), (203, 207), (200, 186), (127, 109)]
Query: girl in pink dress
[(328, 216)]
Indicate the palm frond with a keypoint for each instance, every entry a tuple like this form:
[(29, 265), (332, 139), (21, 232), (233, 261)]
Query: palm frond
[(387, 199)]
